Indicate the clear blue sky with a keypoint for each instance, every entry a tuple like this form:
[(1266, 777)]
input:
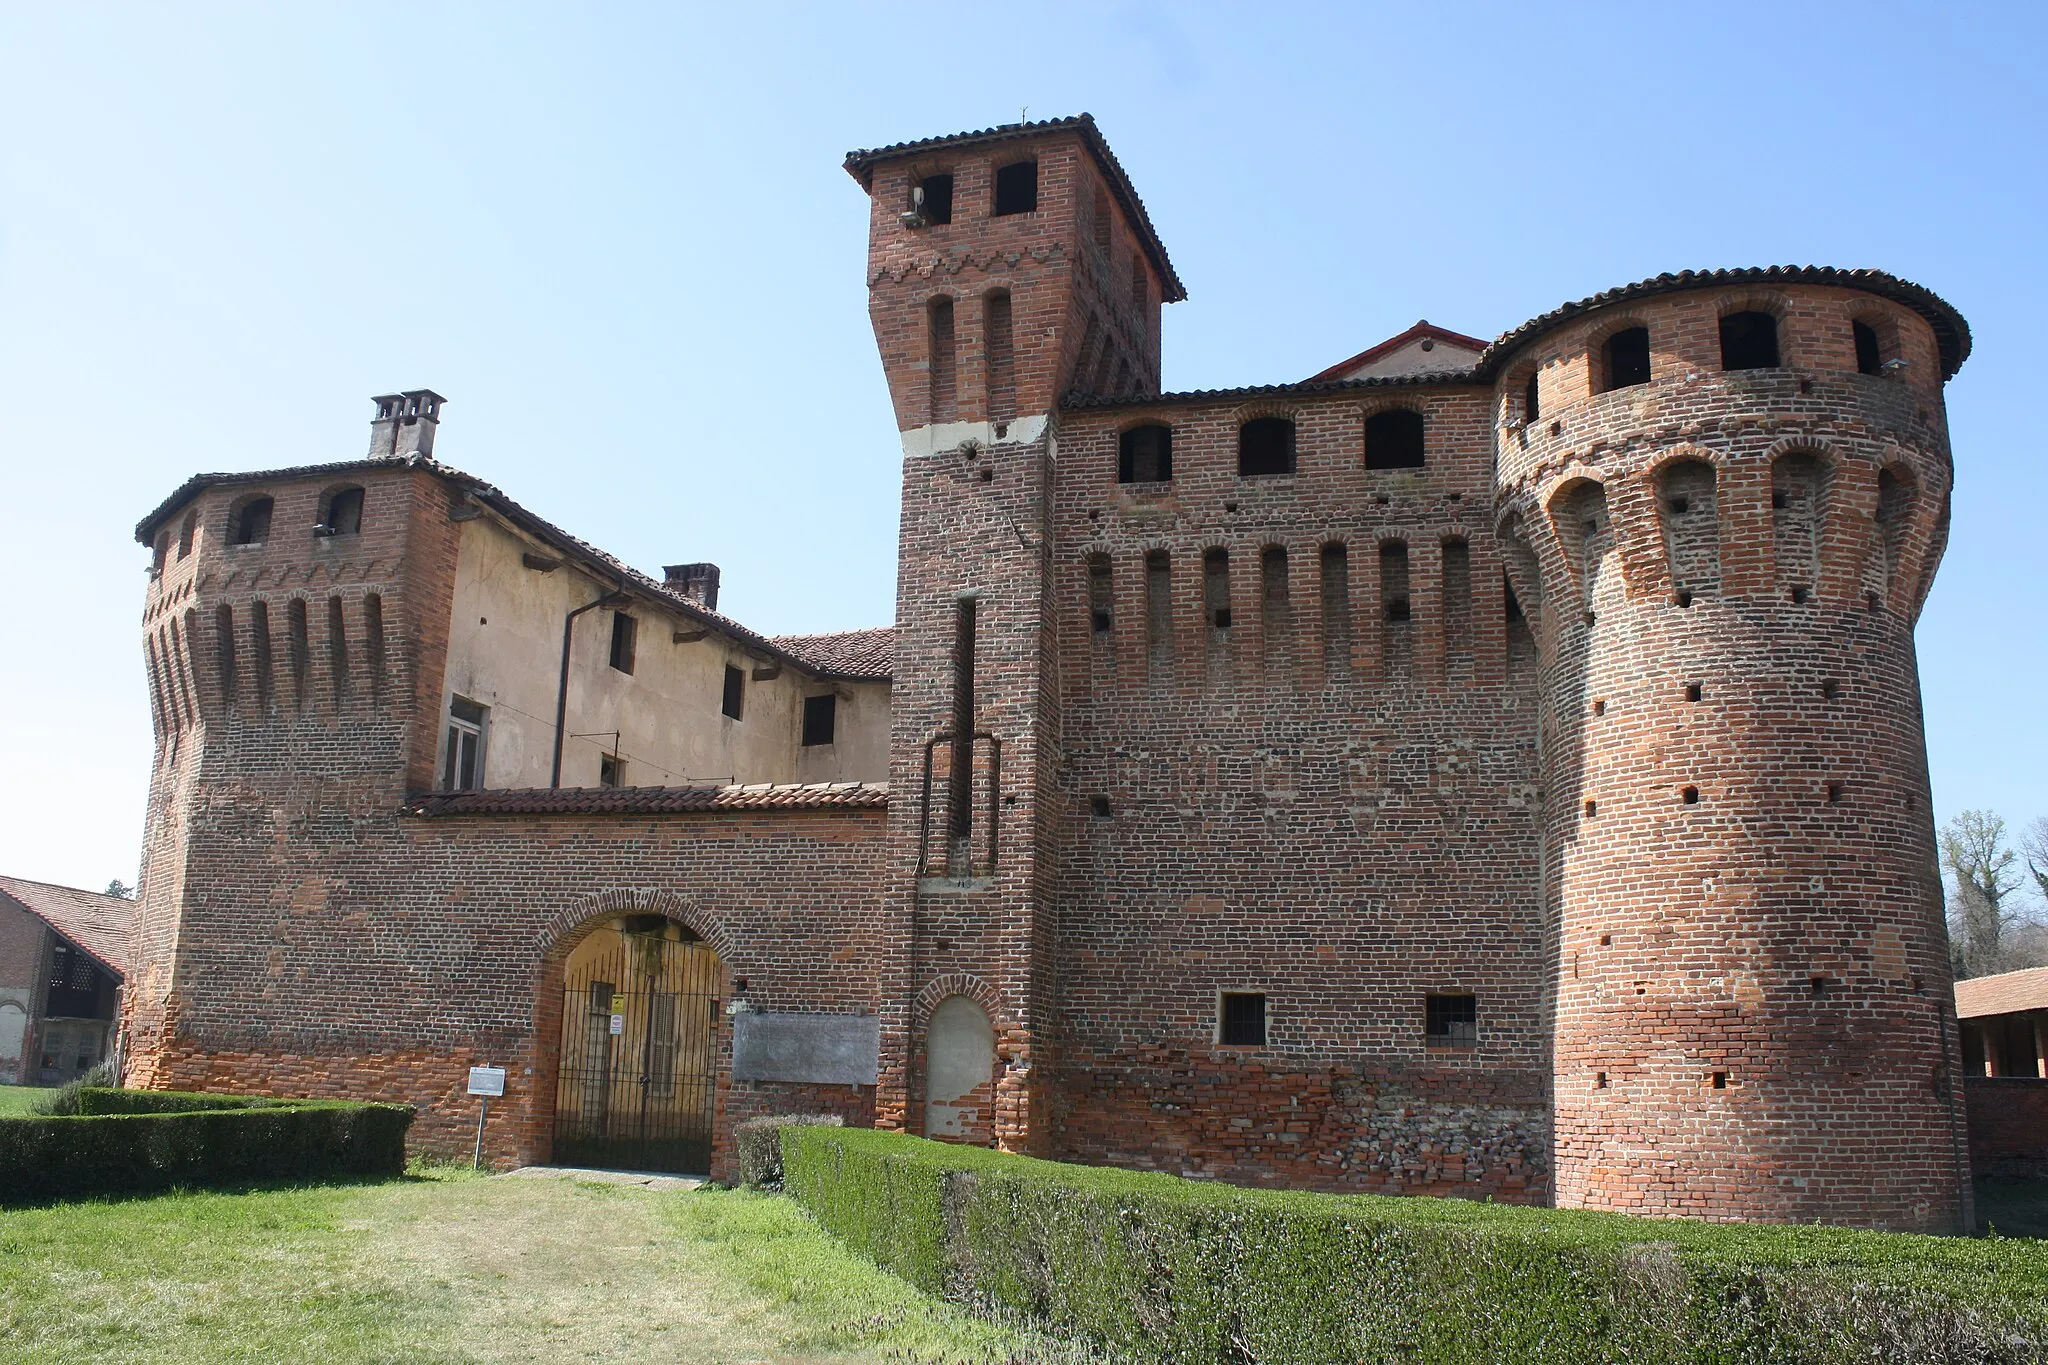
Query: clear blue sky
[(618, 238)]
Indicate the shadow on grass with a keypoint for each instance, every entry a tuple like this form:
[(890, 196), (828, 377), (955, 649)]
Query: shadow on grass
[(416, 1173)]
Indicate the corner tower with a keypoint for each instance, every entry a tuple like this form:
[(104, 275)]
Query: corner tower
[(1729, 492), (1006, 269)]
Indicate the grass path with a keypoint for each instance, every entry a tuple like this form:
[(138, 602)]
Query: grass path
[(460, 1270)]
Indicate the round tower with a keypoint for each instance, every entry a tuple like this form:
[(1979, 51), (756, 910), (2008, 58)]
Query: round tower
[(1724, 497)]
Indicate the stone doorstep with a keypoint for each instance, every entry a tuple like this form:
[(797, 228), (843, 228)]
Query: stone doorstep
[(645, 1179)]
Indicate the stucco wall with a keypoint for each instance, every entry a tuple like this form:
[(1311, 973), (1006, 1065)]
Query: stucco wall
[(504, 652)]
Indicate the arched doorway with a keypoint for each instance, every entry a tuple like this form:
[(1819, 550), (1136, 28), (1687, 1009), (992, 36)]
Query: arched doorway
[(959, 1075), (638, 1062)]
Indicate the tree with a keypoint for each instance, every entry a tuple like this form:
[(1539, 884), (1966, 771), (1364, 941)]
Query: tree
[(117, 887), (1982, 906)]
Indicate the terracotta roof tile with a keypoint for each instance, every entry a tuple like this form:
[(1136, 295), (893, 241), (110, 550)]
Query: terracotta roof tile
[(104, 926), (652, 800), (850, 654), (2006, 993)]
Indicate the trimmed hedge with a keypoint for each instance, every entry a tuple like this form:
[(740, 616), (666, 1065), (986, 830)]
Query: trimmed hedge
[(134, 1141), (757, 1146), (1159, 1268)]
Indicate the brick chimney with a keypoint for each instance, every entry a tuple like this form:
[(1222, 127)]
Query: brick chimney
[(697, 582), (405, 423)]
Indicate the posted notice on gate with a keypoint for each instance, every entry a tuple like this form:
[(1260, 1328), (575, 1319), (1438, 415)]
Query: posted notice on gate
[(487, 1080)]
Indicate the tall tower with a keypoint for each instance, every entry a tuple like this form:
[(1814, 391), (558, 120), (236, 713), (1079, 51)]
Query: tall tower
[(293, 636), (1005, 269), (1730, 492)]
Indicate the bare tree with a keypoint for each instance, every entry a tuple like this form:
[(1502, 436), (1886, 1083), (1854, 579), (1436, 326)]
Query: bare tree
[(1982, 905)]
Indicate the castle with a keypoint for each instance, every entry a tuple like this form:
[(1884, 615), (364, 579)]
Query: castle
[(1483, 769)]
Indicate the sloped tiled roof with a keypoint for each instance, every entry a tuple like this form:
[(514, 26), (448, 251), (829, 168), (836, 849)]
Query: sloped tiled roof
[(2006, 993), (1424, 329), (104, 926), (602, 564), (849, 654), (861, 166), (653, 800)]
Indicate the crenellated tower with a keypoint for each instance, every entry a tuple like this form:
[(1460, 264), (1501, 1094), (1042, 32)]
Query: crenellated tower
[(1728, 493), (1006, 269)]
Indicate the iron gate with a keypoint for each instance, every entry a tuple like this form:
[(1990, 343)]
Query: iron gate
[(638, 1059)]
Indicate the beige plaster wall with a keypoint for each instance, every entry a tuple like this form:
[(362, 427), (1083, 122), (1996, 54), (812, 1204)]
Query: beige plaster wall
[(504, 652)]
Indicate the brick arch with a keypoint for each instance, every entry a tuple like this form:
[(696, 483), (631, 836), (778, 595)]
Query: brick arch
[(942, 988), (572, 923), (1769, 301), (1264, 407), (1682, 453), (1373, 407), (1142, 420)]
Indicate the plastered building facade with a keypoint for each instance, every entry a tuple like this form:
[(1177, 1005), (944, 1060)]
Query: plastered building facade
[(1487, 769)]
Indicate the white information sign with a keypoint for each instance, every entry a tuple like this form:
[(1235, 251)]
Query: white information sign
[(487, 1080), (618, 1024)]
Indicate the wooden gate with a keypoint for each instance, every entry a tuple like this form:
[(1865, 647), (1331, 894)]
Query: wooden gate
[(639, 1050)]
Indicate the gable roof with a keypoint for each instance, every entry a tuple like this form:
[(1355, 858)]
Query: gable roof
[(860, 164), (594, 561), (1423, 330), (102, 926), (2006, 993)]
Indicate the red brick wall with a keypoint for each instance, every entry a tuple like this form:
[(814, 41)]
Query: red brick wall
[(2008, 1125), (1783, 931)]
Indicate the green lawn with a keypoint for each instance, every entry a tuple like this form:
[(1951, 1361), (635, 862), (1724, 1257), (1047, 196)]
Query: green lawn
[(447, 1268), (15, 1099)]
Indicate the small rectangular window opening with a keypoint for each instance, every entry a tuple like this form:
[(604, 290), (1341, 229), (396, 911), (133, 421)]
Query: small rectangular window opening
[(1834, 793), (1692, 692), (1145, 455), (625, 631), (611, 770), (1017, 188), (344, 513), (1265, 445), (821, 715), (463, 765), (1098, 807), (1869, 355), (1451, 1020), (1393, 439), (933, 200), (1242, 1019), (1627, 356), (1720, 1080), (735, 692), (1749, 341), (1599, 1080), (1691, 796), (1216, 587), (1100, 595)]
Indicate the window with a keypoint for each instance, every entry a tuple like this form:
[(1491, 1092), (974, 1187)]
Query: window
[(821, 714), (252, 523), (1625, 358), (344, 513), (611, 770), (462, 769), (1451, 1020), (1145, 455), (625, 633), (735, 692), (1241, 1019), (1099, 220), (942, 378), (1869, 355), (932, 200), (1017, 188), (186, 532), (1393, 439), (159, 553), (1531, 406), (1265, 445), (1749, 341)]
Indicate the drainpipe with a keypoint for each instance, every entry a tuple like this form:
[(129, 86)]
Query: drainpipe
[(610, 599)]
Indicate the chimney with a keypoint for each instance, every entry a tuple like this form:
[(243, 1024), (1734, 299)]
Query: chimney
[(405, 423), (697, 582)]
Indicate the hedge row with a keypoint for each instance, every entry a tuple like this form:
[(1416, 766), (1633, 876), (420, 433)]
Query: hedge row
[(129, 1141), (1157, 1268)]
